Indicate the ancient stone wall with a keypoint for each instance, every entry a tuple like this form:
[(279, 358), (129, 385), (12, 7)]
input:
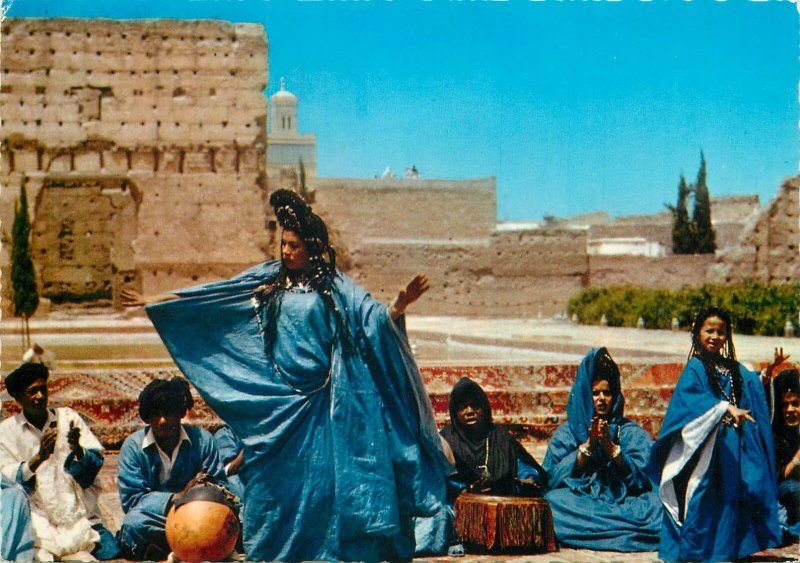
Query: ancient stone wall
[(767, 250), (728, 213), (390, 230), (437, 210), (663, 272), (142, 145), (171, 112)]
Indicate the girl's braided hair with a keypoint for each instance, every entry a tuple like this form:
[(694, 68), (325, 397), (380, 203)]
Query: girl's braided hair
[(727, 355)]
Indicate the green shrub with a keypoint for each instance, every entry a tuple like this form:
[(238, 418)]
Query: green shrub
[(756, 308)]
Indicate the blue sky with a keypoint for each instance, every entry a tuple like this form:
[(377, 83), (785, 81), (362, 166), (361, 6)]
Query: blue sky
[(572, 106)]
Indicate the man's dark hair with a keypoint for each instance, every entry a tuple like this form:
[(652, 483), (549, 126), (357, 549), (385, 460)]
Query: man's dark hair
[(167, 396), (19, 379)]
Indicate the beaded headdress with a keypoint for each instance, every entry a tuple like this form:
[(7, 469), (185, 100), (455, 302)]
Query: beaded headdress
[(294, 214)]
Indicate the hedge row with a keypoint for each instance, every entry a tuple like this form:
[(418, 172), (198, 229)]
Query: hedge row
[(755, 308)]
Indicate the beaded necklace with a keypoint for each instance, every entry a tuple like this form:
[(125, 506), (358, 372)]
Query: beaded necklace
[(725, 373), (484, 469)]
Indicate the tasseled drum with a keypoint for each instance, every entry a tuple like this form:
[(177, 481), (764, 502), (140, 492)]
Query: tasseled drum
[(519, 524)]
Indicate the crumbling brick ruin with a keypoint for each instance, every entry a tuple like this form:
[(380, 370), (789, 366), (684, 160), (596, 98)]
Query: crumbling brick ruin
[(767, 250), (142, 145)]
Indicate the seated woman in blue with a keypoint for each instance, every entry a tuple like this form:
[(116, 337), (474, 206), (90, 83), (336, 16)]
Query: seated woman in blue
[(786, 432), (600, 496), (714, 462)]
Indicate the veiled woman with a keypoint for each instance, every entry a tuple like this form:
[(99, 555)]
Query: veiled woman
[(318, 380), (600, 496), (487, 458)]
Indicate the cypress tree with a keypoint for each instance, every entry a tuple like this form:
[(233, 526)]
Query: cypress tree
[(23, 276), (303, 190), (681, 226), (704, 237)]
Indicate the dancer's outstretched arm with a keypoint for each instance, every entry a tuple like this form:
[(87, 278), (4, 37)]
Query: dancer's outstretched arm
[(131, 298)]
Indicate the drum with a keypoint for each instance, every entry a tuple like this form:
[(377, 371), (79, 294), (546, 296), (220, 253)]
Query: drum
[(494, 523), (202, 525)]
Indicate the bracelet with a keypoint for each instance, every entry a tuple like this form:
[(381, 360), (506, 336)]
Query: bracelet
[(584, 450)]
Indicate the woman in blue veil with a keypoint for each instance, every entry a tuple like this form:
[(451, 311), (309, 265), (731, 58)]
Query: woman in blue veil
[(600, 496), (318, 380)]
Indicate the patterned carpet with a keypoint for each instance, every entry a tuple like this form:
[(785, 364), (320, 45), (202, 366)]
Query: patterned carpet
[(529, 400)]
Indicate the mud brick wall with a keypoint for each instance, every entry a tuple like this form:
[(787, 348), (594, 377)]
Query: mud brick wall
[(143, 147), (768, 249)]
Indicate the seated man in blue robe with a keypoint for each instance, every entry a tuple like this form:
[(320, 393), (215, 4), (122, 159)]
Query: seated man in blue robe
[(600, 497), (160, 462), (786, 433)]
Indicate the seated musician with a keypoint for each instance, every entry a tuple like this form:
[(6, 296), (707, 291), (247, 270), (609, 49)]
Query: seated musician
[(160, 462), (488, 459), (16, 536), (600, 497), (54, 456)]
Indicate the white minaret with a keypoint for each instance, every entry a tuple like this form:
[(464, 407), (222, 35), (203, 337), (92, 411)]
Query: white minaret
[(283, 113)]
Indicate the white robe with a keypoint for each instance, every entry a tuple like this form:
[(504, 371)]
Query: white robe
[(62, 512)]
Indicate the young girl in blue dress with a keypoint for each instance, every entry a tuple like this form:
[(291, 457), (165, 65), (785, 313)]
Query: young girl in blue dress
[(714, 462)]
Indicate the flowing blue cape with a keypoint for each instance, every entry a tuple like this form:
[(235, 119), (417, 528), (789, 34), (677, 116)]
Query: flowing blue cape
[(605, 507), (732, 511), (339, 460)]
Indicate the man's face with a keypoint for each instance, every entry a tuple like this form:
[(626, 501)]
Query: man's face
[(790, 406), (166, 426), (33, 399), (601, 397)]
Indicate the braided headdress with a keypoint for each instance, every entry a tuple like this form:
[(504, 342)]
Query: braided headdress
[(294, 214)]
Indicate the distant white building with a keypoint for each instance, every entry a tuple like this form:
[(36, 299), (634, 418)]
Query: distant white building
[(628, 246)]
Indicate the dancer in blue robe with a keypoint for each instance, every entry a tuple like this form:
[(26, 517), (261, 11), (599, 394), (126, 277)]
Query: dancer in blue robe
[(713, 462), (600, 496), (318, 380), (158, 462), (16, 535)]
